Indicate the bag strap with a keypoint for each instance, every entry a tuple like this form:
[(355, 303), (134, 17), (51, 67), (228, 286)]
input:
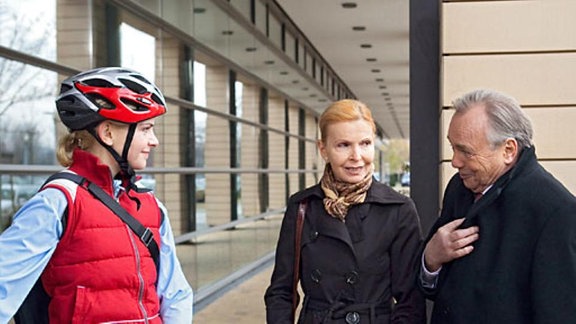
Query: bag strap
[(297, 243), (144, 233)]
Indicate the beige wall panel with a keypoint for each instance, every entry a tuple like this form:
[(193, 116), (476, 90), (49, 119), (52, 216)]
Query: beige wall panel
[(554, 137), (563, 171), (217, 150), (554, 134), (277, 152), (167, 132), (293, 148), (249, 152), (313, 158), (505, 26), (74, 47), (445, 148), (543, 79)]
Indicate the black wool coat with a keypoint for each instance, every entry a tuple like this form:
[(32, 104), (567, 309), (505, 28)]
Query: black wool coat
[(523, 267), (362, 268)]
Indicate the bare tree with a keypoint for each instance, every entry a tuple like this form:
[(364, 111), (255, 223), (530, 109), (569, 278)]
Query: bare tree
[(20, 82)]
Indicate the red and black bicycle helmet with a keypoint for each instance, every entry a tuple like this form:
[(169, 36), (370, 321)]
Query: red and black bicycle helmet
[(111, 93)]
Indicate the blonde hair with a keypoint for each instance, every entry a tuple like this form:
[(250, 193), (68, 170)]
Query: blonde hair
[(77, 139), (342, 111)]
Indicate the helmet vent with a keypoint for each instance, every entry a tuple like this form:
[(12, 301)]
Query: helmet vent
[(157, 99), (98, 83), (133, 86), (100, 101), (65, 88), (134, 105)]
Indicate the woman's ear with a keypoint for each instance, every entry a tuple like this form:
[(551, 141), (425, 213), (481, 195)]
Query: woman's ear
[(104, 131), (322, 150)]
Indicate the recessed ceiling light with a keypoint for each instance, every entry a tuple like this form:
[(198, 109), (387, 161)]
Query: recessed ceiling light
[(382, 87), (199, 10), (359, 28), (349, 5), (371, 59), (227, 32), (250, 49), (295, 81), (366, 45), (284, 73), (375, 71), (379, 80), (269, 62)]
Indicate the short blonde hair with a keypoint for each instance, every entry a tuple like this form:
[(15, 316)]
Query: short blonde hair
[(344, 110)]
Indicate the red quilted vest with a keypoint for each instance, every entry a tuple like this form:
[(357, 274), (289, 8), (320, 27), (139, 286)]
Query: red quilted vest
[(100, 271)]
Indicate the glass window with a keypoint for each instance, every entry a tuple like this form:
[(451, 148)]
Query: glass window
[(29, 26), (200, 142), (138, 50)]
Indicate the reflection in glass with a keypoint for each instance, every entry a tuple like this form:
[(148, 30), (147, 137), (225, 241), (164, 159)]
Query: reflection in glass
[(28, 26)]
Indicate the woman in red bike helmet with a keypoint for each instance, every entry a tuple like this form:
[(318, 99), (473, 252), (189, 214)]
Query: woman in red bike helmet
[(67, 246)]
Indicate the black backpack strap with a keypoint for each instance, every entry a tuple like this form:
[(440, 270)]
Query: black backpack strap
[(144, 233), (34, 309)]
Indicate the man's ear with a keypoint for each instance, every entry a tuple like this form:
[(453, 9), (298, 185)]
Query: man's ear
[(104, 131), (510, 150)]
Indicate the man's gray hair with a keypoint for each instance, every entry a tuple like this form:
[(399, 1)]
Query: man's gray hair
[(506, 118)]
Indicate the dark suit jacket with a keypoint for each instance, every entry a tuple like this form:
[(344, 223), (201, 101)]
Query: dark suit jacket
[(356, 266), (523, 267)]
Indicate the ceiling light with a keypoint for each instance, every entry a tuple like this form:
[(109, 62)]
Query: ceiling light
[(359, 28), (227, 32), (269, 62), (371, 59), (349, 5), (366, 45), (283, 73), (375, 70), (250, 49), (379, 80), (382, 87), (199, 10)]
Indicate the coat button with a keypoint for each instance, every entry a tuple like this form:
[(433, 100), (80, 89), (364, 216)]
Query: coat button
[(352, 277), (313, 235), (352, 318), (316, 275)]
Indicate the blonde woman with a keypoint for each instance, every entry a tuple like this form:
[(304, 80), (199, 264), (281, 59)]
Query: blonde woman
[(359, 240)]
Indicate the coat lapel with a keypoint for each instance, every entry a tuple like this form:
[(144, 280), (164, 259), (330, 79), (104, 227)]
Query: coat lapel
[(334, 228)]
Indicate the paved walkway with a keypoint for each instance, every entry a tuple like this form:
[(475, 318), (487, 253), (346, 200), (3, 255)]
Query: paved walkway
[(241, 305)]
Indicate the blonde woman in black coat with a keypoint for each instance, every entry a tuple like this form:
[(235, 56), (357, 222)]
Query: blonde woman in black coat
[(359, 240)]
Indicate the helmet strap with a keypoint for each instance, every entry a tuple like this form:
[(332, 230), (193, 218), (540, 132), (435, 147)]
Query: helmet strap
[(126, 174)]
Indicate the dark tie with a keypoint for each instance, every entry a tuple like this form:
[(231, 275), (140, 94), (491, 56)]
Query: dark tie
[(477, 196)]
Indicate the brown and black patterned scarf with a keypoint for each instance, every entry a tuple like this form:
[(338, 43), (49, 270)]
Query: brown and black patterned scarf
[(341, 195)]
